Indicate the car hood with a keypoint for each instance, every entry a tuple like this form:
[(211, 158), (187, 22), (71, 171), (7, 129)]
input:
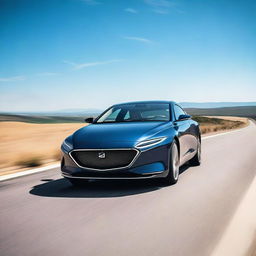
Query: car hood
[(113, 135)]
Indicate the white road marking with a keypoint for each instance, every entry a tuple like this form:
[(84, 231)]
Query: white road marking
[(27, 172)]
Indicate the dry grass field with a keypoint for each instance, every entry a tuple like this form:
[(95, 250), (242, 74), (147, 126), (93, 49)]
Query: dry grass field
[(214, 124), (25, 145), (28, 145)]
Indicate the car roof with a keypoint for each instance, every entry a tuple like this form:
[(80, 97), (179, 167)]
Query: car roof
[(147, 102)]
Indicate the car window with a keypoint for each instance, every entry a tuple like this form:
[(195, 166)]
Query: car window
[(127, 115), (162, 114), (178, 111), (136, 113), (111, 115)]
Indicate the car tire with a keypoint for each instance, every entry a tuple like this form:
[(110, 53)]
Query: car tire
[(77, 182), (196, 160), (174, 163)]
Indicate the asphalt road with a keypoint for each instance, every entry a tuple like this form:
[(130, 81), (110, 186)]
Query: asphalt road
[(42, 214)]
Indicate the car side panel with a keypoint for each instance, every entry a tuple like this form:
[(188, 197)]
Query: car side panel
[(184, 136), (195, 136)]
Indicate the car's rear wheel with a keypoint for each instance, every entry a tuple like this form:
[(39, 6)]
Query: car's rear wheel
[(196, 160), (174, 166), (77, 182)]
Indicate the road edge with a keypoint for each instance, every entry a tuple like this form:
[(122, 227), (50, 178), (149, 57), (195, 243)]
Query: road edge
[(239, 236), (28, 172)]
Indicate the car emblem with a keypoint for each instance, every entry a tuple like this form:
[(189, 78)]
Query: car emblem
[(102, 155)]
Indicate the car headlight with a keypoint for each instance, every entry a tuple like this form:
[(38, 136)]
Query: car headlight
[(149, 143), (67, 144)]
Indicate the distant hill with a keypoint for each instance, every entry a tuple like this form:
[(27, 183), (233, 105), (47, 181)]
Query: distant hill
[(40, 119), (248, 111), (215, 104), (64, 112), (93, 112)]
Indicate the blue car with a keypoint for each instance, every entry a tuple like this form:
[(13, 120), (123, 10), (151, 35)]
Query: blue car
[(137, 140)]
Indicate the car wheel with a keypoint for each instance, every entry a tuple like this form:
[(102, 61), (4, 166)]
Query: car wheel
[(77, 182), (196, 160), (174, 167)]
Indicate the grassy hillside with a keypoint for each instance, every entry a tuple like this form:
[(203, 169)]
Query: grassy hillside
[(208, 125), (248, 111)]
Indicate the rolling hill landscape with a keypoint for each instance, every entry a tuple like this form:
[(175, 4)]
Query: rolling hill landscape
[(78, 116), (243, 111)]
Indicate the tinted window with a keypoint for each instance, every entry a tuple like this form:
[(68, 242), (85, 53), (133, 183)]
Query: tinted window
[(136, 113), (178, 111), (112, 116)]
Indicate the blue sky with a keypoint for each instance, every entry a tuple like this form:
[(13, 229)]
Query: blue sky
[(94, 53)]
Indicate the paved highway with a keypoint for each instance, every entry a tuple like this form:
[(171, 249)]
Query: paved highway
[(42, 214)]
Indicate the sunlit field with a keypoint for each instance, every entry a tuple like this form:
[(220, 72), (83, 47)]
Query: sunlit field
[(26, 144), (216, 124)]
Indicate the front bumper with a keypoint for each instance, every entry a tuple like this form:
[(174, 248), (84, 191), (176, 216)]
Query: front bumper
[(151, 163)]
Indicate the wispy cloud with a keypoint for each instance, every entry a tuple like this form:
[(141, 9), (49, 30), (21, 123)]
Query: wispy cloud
[(47, 74), (78, 66), (91, 2), (139, 39), (131, 10), (159, 3), (12, 79), (161, 6), (160, 11)]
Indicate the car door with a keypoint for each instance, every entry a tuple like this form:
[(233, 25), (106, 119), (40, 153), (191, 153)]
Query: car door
[(183, 129), (194, 138)]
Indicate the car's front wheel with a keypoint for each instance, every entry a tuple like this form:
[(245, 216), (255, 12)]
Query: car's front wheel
[(174, 166), (77, 182)]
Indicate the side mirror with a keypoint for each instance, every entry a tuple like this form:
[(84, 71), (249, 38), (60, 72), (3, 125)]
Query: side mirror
[(184, 117), (89, 120)]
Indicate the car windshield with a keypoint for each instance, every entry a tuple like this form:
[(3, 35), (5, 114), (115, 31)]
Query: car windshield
[(136, 113)]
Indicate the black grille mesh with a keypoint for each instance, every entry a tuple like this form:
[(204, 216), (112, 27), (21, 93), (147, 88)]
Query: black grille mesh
[(113, 158)]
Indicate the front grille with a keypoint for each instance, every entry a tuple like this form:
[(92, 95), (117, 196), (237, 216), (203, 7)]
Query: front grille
[(104, 159)]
